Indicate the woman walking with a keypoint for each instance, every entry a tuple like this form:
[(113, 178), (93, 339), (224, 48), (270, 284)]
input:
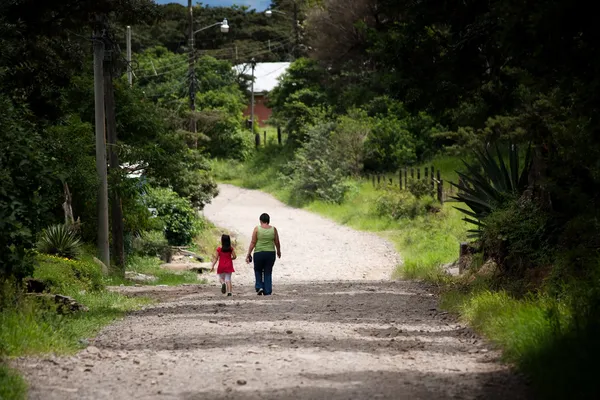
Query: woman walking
[(265, 243)]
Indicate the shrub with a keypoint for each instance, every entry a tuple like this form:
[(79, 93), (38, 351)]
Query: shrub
[(59, 240), (196, 185), (348, 140), (489, 183), (420, 188), (389, 146), (402, 204), (315, 173), (151, 243), (516, 237), (66, 276), (180, 219)]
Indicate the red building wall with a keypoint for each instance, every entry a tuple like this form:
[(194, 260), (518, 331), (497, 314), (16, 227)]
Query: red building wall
[(261, 111)]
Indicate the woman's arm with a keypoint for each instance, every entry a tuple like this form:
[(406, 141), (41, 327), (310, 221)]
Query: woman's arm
[(252, 243), (233, 255), (277, 243)]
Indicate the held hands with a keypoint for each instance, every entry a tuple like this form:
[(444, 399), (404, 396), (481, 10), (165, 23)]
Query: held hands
[(248, 259), (278, 254)]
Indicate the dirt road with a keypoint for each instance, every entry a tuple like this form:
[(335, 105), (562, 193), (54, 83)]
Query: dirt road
[(335, 328)]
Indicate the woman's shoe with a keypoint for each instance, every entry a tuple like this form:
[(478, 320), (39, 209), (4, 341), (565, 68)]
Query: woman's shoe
[(223, 288), (260, 292), (229, 294)]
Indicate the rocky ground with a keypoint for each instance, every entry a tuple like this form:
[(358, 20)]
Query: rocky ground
[(335, 328)]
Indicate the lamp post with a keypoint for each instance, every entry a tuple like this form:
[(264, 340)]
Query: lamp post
[(192, 63), (269, 14)]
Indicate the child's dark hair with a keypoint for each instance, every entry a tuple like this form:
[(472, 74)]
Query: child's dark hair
[(225, 244)]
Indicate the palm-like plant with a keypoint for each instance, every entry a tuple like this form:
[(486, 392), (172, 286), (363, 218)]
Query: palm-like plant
[(489, 182), (59, 240)]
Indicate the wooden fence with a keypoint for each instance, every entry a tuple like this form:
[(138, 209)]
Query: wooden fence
[(402, 178)]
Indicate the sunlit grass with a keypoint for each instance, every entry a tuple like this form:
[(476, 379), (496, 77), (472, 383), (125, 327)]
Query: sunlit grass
[(152, 266), (30, 328), (12, 386)]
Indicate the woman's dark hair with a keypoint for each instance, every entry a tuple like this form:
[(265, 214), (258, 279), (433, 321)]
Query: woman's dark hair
[(225, 244), (264, 218)]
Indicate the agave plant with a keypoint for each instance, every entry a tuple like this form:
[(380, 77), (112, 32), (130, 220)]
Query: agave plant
[(59, 240), (489, 182)]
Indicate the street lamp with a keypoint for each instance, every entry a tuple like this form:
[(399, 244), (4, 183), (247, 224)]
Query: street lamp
[(224, 27), (192, 63), (269, 13)]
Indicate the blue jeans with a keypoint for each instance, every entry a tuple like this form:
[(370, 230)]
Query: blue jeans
[(263, 271)]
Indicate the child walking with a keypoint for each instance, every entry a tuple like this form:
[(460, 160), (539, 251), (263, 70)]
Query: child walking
[(225, 256)]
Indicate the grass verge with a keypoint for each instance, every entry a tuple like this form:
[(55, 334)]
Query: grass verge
[(12, 385), (151, 266), (30, 327), (537, 335)]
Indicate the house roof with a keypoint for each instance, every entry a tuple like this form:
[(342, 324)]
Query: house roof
[(265, 74)]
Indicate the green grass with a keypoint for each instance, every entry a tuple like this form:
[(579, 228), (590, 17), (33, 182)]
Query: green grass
[(151, 266), (31, 329), (12, 386), (559, 358)]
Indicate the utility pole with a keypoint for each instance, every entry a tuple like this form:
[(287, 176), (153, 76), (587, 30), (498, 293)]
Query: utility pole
[(296, 32), (252, 97), (100, 144), (129, 70), (192, 74), (113, 160)]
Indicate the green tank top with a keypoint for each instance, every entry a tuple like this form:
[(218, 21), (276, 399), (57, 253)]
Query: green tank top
[(265, 239)]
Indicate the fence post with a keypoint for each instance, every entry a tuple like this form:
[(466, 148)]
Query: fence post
[(257, 140), (405, 178), (464, 250), (419, 174), (265, 138), (412, 173), (433, 177), (373, 179), (391, 182), (440, 192), (400, 179), (279, 135), (378, 180), (426, 174)]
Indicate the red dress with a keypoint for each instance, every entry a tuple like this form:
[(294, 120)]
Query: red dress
[(225, 262)]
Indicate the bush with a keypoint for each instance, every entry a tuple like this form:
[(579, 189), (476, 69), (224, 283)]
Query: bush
[(181, 220), (151, 243), (315, 173), (196, 185), (515, 236), (420, 188), (348, 140), (401, 204), (66, 276), (59, 240), (389, 146)]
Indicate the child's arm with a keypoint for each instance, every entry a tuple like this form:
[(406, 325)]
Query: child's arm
[(215, 259), (233, 255)]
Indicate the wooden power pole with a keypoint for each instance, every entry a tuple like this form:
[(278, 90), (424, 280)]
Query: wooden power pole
[(103, 246), (113, 161)]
